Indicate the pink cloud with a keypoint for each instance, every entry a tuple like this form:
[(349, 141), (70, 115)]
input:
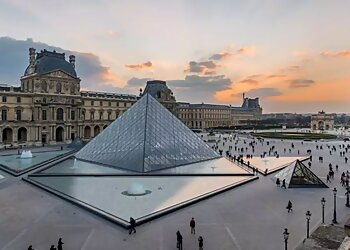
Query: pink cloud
[(144, 66), (340, 54)]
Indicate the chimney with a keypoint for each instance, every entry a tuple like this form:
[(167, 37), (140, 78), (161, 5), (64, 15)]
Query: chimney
[(72, 60), (31, 56)]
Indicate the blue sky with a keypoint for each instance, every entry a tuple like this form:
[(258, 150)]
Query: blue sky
[(283, 51)]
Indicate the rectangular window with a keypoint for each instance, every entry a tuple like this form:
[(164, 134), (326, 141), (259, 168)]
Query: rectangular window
[(4, 115), (92, 115), (92, 103), (124, 104), (43, 115), (101, 103), (109, 104), (18, 99), (4, 99), (18, 114), (72, 115)]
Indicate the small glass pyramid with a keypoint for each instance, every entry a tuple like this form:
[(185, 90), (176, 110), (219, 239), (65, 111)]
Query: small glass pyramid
[(299, 175), (146, 138)]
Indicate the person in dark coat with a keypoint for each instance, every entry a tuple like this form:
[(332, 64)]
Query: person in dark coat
[(290, 207), (200, 243), (193, 226), (283, 184), (60, 244), (132, 226), (179, 240), (53, 247), (30, 247), (278, 183)]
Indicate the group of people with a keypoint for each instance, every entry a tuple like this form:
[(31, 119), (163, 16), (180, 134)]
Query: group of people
[(59, 246), (179, 238), (278, 183)]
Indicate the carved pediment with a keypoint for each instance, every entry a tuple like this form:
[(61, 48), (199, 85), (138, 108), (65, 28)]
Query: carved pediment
[(60, 74)]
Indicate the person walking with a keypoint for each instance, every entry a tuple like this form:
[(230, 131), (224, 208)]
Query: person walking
[(179, 240), (193, 226), (200, 243), (290, 207), (284, 184), (60, 244), (278, 183), (132, 226), (328, 178)]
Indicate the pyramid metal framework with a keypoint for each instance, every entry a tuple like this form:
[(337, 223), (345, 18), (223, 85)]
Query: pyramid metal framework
[(297, 175), (147, 137)]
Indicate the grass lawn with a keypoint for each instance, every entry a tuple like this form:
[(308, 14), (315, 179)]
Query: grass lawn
[(294, 135)]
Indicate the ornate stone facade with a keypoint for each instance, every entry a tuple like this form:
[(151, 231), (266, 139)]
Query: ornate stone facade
[(322, 121), (204, 116), (50, 108)]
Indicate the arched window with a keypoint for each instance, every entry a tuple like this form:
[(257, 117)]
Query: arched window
[(59, 114)]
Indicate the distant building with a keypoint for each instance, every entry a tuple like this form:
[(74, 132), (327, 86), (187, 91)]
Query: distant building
[(204, 116), (159, 90), (322, 121), (49, 107)]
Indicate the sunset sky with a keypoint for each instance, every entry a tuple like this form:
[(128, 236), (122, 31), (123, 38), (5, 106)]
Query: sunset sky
[(294, 55)]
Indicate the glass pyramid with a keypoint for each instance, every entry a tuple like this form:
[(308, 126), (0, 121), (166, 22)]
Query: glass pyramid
[(146, 138), (299, 175)]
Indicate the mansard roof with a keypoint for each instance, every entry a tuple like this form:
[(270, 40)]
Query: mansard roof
[(47, 61)]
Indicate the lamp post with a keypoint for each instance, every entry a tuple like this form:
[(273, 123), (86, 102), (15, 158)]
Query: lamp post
[(347, 197), (335, 207), (308, 217), (323, 202), (285, 236)]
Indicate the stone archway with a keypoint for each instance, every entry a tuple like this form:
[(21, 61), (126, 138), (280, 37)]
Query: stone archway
[(87, 132), (22, 135), (7, 135), (96, 130), (321, 125), (59, 134), (314, 127)]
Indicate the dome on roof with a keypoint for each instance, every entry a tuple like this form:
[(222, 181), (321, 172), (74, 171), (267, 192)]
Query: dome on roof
[(47, 61)]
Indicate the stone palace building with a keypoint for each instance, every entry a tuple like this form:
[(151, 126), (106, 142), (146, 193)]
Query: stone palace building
[(50, 108)]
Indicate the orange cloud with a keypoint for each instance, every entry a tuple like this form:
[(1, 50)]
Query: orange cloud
[(276, 76), (108, 76), (239, 52), (147, 65), (307, 95), (293, 67), (249, 81), (341, 54)]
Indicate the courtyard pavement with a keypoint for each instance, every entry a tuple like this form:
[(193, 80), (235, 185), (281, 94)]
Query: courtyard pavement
[(251, 216)]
